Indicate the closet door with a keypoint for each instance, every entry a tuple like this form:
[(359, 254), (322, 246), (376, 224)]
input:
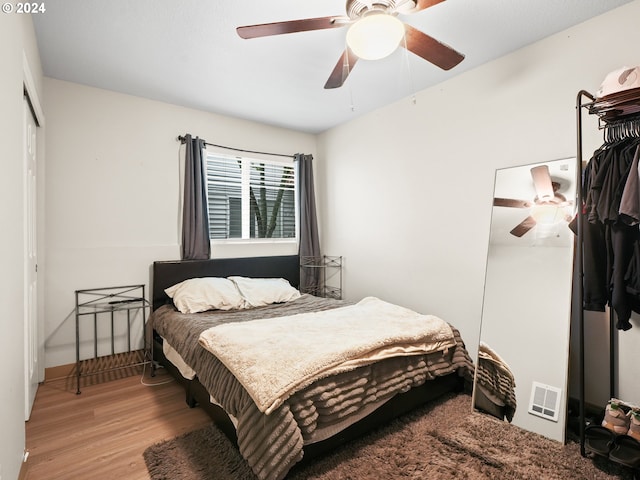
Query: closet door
[(30, 261)]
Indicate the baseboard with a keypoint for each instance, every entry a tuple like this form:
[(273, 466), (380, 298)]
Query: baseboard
[(590, 409), (61, 371), (100, 365)]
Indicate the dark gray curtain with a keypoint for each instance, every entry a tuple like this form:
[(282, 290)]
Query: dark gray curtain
[(309, 245), (195, 217)]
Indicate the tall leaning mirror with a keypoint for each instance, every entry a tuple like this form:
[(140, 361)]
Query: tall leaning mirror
[(522, 364)]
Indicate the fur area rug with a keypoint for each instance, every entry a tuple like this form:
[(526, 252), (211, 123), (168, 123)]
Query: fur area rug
[(442, 440)]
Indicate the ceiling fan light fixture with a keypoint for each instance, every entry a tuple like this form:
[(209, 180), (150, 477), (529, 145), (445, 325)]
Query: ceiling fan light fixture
[(375, 36), (547, 214)]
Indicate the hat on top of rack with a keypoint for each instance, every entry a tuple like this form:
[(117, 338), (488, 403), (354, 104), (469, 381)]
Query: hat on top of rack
[(619, 80)]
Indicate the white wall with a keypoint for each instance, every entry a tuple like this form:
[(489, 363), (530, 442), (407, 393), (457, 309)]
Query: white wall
[(17, 41), (406, 192), (112, 191)]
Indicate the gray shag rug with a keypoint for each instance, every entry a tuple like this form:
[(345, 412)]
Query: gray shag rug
[(442, 440)]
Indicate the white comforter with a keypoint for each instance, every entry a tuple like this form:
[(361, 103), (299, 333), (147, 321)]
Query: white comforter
[(274, 358)]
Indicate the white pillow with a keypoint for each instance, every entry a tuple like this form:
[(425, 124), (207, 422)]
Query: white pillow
[(208, 293), (264, 291)]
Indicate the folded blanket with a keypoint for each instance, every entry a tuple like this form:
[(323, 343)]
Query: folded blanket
[(310, 346)]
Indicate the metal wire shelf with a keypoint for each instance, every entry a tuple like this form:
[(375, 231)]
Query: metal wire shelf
[(328, 275)]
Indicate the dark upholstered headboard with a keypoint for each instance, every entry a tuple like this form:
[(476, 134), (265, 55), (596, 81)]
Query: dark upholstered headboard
[(167, 273)]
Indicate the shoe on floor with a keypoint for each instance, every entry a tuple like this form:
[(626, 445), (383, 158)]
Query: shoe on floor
[(598, 440), (626, 450), (634, 424), (615, 418)]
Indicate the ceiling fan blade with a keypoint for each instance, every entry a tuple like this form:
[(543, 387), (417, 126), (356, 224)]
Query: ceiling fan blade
[(431, 49), (511, 202), (342, 69), (291, 26), (542, 183), (523, 227)]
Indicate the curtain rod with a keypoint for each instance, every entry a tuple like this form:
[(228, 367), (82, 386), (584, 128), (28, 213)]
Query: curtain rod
[(182, 139)]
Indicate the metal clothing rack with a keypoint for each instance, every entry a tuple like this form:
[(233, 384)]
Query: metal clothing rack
[(619, 117), (330, 279), (102, 306)]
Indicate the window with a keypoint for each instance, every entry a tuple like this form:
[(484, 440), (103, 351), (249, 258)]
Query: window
[(250, 198)]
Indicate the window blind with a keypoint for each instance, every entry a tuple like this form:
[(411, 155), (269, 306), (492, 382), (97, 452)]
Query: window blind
[(250, 199)]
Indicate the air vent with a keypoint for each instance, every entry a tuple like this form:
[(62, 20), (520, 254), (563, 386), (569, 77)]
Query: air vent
[(545, 401)]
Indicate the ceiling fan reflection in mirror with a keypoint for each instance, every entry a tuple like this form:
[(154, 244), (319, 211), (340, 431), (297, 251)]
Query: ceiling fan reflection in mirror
[(548, 207), (374, 32)]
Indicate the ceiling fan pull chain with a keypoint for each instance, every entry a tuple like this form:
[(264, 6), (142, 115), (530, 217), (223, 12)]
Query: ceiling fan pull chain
[(353, 105), (407, 64)]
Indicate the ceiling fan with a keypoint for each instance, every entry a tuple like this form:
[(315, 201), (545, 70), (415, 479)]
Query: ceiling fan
[(371, 23), (547, 207)]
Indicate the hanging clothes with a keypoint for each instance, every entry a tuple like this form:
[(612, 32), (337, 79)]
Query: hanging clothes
[(630, 214), (630, 202), (611, 237)]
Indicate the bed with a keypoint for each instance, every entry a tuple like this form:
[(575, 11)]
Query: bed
[(276, 430)]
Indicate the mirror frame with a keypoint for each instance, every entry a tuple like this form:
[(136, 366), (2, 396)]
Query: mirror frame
[(526, 311)]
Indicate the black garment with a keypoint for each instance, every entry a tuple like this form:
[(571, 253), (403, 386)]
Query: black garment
[(595, 255), (622, 244), (611, 253)]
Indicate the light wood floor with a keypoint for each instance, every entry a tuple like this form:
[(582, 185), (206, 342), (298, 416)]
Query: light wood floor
[(101, 433)]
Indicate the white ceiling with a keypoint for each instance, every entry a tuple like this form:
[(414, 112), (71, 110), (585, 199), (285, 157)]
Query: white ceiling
[(187, 52)]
